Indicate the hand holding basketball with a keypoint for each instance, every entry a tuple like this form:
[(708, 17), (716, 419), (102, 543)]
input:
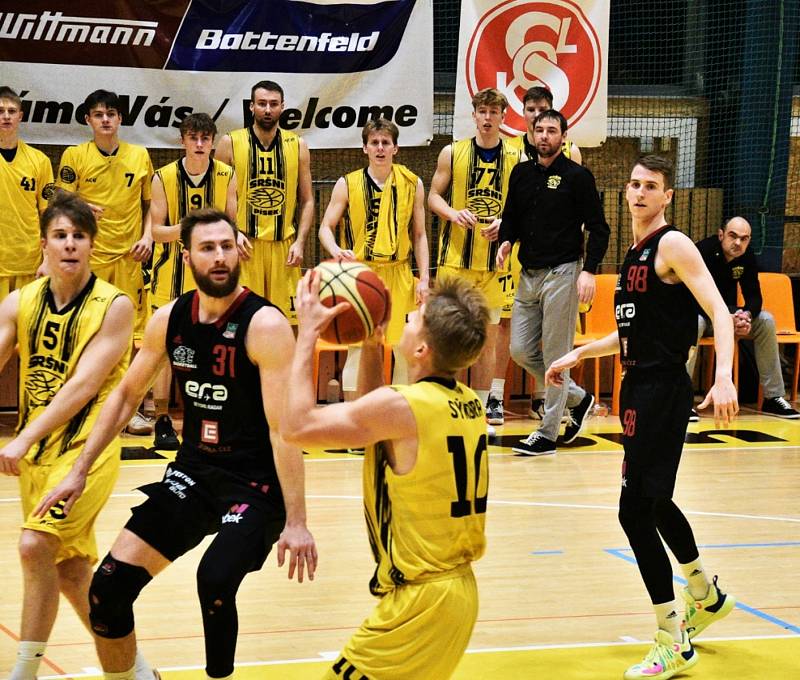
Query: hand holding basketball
[(343, 301)]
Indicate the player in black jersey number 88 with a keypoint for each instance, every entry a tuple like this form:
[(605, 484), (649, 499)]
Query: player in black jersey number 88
[(662, 276)]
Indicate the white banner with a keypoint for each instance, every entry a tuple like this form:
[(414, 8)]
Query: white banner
[(340, 64), (517, 44)]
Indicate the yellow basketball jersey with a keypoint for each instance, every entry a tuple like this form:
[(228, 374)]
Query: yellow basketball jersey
[(169, 280), (524, 145), (267, 183), (26, 184), (118, 183), (481, 187), (51, 343), (377, 223), (432, 519)]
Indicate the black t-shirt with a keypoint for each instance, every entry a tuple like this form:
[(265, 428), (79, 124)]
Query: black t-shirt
[(224, 424), (547, 209), (657, 321), (742, 270)]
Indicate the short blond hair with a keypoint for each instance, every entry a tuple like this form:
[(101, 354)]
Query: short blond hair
[(455, 322), (489, 96)]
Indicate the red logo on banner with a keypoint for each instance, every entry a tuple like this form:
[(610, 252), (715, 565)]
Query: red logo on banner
[(521, 43)]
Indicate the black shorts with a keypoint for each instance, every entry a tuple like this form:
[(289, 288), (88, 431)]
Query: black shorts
[(654, 412), (194, 501)]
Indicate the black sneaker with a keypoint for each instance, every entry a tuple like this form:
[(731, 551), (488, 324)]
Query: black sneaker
[(778, 406), (577, 417), (536, 411), (494, 411), (166, 438), (694, 416), (536, 444)]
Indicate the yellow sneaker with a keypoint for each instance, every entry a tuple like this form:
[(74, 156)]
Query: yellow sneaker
[(700, 614), (665, 658)]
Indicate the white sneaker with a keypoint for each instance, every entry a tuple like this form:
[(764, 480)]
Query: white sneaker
[(139, 425)]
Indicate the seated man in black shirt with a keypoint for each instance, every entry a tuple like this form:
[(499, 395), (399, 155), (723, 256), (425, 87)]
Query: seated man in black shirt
[(731, 262)]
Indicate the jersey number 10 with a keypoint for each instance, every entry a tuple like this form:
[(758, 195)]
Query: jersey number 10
[(463, 507)]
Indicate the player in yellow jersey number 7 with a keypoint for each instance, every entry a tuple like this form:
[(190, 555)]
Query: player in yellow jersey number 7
[(425, 478)]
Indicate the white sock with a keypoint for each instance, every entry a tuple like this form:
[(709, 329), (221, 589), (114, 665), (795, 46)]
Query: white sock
[(142, 669), (498, 388), (483, 395), (669, 619), (350, 370), (130, 674), (697, 580), (29, 656), (400, 373)]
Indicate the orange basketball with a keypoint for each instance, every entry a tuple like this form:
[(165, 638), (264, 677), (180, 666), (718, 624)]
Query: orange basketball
[(357, 284)]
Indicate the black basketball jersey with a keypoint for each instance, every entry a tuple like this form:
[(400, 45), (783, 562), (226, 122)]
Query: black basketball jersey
[(223, 414), (657, 321)]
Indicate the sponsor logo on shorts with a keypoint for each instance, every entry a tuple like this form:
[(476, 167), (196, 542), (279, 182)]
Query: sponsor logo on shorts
[(234, 516), (177, 482)]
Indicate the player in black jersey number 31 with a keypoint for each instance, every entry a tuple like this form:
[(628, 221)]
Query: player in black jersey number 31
[(233, 475)]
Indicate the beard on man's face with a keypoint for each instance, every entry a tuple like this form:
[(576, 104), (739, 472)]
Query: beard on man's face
[(216, 289)]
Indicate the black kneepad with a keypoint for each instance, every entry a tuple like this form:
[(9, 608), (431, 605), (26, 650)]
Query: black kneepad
[(115, 587)]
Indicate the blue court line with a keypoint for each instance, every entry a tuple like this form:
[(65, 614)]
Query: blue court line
[(548, 552), (618, 552)]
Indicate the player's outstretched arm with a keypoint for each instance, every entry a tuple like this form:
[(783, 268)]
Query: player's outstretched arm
[(116, 412), (379, 415), (599, 348), (680, 255), (102, 353), (333, 214), (270, 345)]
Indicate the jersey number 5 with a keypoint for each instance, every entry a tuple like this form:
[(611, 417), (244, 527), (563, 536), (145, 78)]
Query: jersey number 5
[(463, 507)]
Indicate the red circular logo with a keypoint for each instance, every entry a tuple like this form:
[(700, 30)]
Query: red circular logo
[(520, 44)]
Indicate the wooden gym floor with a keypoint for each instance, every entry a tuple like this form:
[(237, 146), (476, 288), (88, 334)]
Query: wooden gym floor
[(561, 597)]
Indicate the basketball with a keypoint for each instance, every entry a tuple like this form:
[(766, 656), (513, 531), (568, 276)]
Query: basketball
[(357, 284)]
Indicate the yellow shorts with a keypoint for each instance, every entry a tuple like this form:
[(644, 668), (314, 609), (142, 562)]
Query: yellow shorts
[(416, 631), (397, 277), (488, 283), (267, 274), (509, 281), (10, 283), (76, 530)]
